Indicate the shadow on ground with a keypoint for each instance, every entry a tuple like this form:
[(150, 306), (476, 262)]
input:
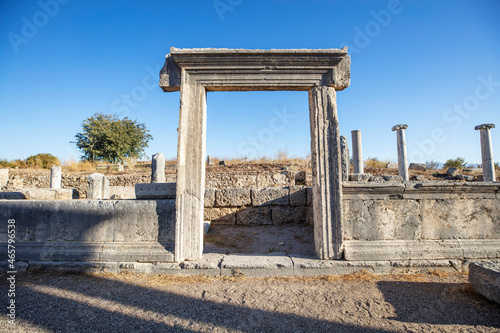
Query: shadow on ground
[(93, 303)]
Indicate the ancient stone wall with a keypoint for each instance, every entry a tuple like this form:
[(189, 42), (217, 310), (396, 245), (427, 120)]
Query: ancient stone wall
[(258, 206)]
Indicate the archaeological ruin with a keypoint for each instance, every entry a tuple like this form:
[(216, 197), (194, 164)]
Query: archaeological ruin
[(359, 221)]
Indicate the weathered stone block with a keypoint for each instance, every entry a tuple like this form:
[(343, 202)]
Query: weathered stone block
[(155, 191), (393, 178), (209, 197), (4, 177), (270, 196), (298, 195), (254, 215), (392, 166), (452, 172), (309, 196), (287, 215), (418, 166), (233, 197), (485, 279), (98, 186), (359, 177), (256, 266), (121, 192), (220, 215), (158, 168), (49, 194)]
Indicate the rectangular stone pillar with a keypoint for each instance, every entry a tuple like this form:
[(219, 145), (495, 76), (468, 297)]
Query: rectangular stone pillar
[(191, 152), (55, 177), (326, 172)]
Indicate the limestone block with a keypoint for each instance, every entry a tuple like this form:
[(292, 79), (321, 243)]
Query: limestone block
[(121, 192), (377, 179), (359, 177), (298, 195), (209, 197), (418, 166), (254, 215), (233, 197), (276, 179), (467, 178), (485, 279), (460, 218), (98, 186), (210, 160), (419, 178), (49, 194), (309, 196), (392, 166), (270, 196), (4, 177), (381, 220), (392, 178), (155, 190), (158, 168), (220, 215), (287, 215), (256, 266)]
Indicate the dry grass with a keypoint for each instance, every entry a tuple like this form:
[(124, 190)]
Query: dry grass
[(72, 165)]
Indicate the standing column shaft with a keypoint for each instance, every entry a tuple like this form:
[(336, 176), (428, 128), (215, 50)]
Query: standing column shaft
[(487, 152), (158, 168), (344, 151), (326, 173), (402, 156), (191, 152), (357, 152), (55, 177)]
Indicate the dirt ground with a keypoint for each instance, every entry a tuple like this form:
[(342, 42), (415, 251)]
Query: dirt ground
[(267, 239), (434, 302)]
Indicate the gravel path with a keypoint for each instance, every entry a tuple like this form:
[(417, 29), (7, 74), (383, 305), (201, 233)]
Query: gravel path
[(435, 302)]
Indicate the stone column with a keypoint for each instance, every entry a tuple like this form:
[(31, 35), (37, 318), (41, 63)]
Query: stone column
[(402, 157), (191, 152), (357, 152), (326, 172), (158, 168), (344, 150), (97, 187), (487, 152), (55, 177)]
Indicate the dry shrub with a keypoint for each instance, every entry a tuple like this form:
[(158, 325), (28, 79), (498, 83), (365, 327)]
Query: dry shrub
[(373, 162)]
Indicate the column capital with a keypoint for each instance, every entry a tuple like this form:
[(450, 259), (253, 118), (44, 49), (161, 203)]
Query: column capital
[(399, 127), (484, 126)]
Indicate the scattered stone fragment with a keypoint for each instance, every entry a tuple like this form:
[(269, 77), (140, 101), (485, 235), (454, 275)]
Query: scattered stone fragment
[(391, 166), (452, 172), (418, 166), (392, 178), (467, 178), (222, 163), (485, 279), (210, 160)]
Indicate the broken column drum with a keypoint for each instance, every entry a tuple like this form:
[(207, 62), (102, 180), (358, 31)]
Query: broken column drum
[(194, 72), (487, 152)]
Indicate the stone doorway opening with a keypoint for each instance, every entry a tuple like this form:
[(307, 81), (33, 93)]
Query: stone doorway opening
[(264, 146)]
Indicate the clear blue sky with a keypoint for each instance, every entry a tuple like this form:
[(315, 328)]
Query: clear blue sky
[(434, 65)]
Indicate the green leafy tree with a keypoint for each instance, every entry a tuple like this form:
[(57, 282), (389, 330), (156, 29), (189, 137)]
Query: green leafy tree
[(458, 163), (108, 138)]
